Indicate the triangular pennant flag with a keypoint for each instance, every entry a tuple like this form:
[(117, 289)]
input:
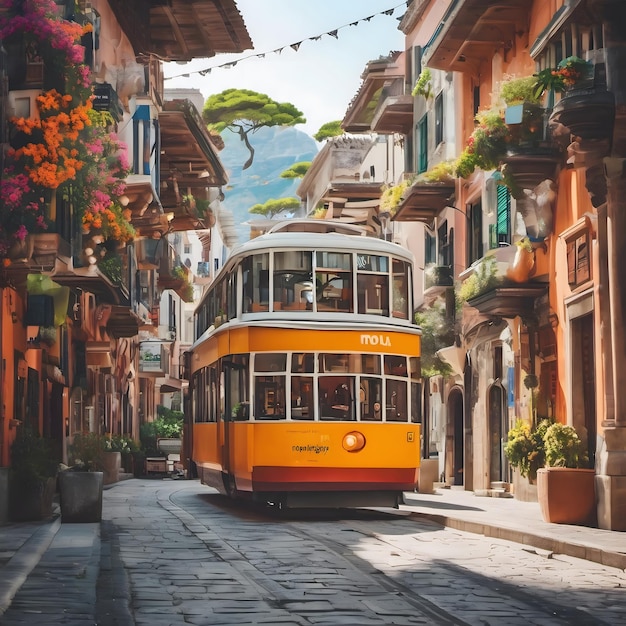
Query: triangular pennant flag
[(295, 46), (204, 72), (354, 24), (367, 19), (261, 56), (333, 33), (278, 50), (388, 12), (315, 38)]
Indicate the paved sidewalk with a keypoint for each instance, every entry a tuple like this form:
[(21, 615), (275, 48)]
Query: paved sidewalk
[(521, 522), (76, 547)]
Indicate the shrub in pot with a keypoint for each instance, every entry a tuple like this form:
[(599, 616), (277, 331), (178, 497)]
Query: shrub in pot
[(566, 486), (80, 484), (32, 476)]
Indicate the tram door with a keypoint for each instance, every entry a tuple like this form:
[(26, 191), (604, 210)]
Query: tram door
[(234, 401)]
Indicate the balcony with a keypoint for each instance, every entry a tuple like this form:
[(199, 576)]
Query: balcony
[(189, 162), (472, 30), (586, 115), (437, 279), (422, 202), (180, 30), (380, 101), (394, 113), (509, 301)]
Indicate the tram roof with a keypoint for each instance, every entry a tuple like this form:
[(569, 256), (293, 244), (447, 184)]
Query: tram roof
[(314, 234)]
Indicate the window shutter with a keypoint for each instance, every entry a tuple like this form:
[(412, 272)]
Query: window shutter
[(504, 214)]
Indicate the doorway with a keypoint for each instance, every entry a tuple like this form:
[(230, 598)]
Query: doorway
[(584, 382), (455, 425), (497, 463)]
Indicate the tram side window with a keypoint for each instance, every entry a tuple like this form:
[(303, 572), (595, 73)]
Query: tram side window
[(334, 363), (302, 407), (255, 272), (336, 398), (333, 282), (373, 284), (395, 365), (212, 394), (400, 289), (269, 397), (198, 398), (396, 401), (236, 368), (293, 285), (415, 367), (231, 295), (302, 362), (416, 405), (371, 399)]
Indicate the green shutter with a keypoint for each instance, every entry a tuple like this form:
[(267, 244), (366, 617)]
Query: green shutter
[(504, 214)]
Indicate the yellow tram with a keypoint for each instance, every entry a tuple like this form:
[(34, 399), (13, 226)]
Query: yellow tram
[(305, 378)]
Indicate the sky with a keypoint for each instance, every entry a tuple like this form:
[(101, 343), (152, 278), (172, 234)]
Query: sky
[(321, 77)]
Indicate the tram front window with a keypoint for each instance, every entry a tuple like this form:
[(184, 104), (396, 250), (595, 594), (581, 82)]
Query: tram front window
[(302, 398), (336, 395)]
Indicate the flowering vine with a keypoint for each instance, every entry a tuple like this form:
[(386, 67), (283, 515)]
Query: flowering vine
[(65, 145)]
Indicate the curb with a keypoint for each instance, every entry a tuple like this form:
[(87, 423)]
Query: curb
[(16, 571)]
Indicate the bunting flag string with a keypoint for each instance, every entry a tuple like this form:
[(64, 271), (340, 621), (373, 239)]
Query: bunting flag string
[(295, 46)]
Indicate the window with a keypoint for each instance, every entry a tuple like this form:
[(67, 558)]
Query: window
[(443, 256), (370, 397), (422, 130), (373, 284), (293, 286), (578, 263), (302, 406), (474, 233), (333, 281), (336, 396), (400, 297), (439, 119), (255, 273), (430, 249)]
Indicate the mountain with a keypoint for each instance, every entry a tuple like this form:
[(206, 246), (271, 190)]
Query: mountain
[(275, 150)]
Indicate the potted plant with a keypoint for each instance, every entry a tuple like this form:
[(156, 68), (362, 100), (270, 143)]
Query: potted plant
[(570, 72), (525, 448), (566, 486), (80, 484), (32, 476), (486, 146)]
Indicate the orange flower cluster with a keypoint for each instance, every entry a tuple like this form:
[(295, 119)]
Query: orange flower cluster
[(53, 160)]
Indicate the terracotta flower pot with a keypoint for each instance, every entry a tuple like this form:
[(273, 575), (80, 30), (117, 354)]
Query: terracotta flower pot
[(522, 265), (567, 495)]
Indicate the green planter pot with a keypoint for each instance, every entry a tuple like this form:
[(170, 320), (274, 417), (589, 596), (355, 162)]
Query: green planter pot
[(81, 496)]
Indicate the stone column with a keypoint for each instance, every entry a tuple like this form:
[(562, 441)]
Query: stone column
[(611, 454)]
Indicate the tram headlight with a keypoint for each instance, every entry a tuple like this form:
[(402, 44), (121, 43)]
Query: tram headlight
[(353, 441)]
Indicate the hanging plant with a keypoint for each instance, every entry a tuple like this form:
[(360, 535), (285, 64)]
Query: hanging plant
[(486, 146), (68, 147), (423, 86)]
